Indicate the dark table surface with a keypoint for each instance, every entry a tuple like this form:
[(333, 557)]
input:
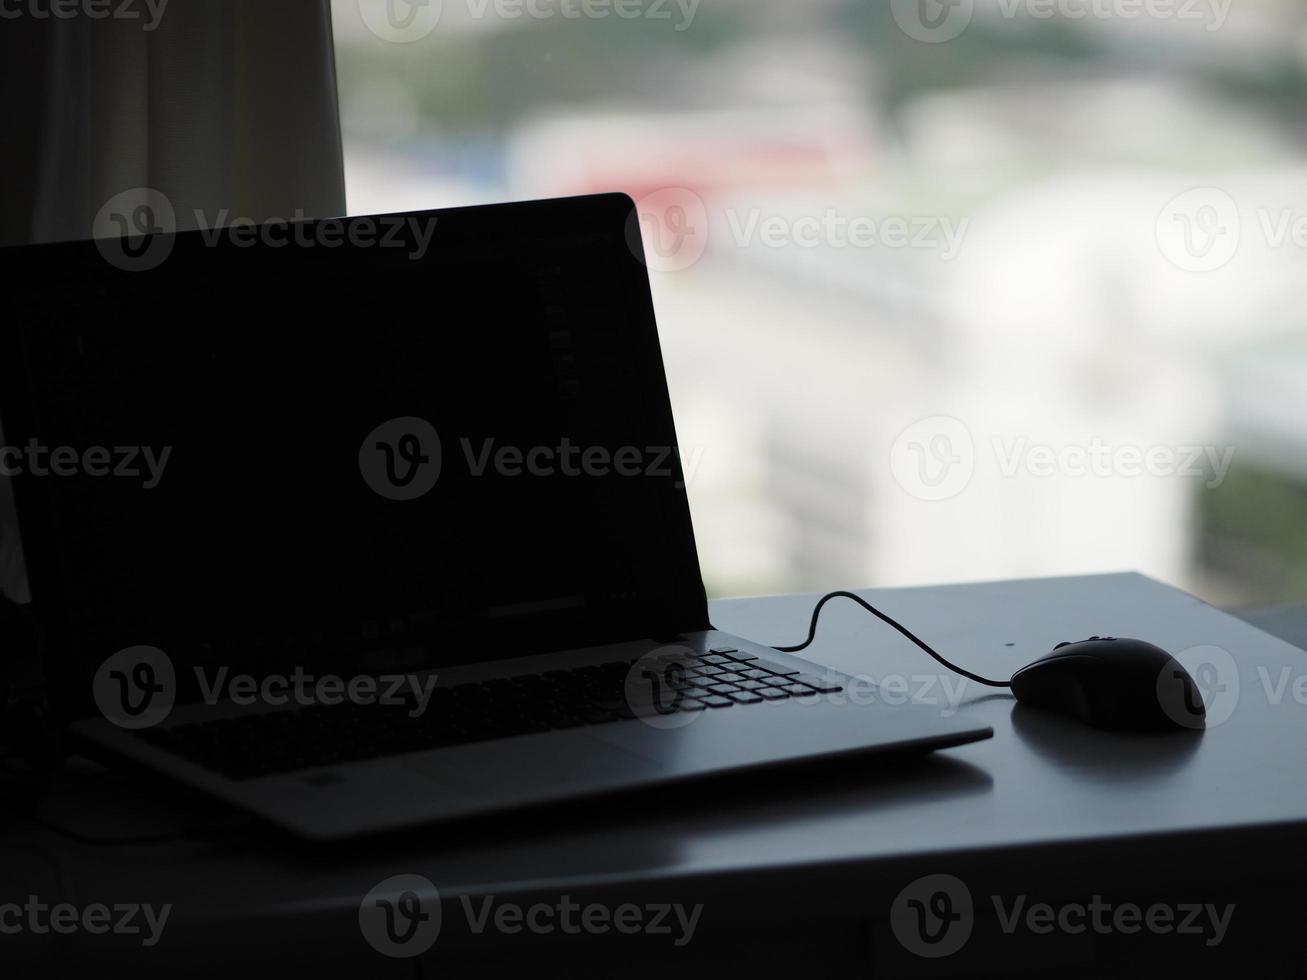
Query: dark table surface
[(794, 868)]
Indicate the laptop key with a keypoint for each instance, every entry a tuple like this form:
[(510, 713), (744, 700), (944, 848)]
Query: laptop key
[(798, 690), (817, 684), (734, 654), (772, 668), (771, 693), (745, 697), (717, 701)]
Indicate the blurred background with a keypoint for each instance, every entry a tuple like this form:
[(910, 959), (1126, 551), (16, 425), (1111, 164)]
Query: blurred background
[(948, 289)]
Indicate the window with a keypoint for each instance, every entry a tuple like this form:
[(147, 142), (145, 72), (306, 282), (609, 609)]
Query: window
[(949, 289)]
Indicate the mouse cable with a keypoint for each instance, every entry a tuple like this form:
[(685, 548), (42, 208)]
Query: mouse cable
[(812, 633)]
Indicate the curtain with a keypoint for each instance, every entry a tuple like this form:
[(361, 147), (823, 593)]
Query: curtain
[(223, 107)]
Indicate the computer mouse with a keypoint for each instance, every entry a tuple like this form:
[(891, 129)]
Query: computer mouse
[(1114, 684)]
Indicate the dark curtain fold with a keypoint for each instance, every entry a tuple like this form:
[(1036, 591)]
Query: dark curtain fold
[(224, 107)]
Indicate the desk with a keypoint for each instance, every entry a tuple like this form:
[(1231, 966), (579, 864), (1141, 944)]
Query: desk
[(797, 871)]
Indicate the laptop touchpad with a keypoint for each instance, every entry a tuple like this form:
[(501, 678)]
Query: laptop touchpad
[(536, 766)]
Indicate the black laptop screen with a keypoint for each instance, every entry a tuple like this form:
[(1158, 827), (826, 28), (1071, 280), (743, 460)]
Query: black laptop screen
[(448, 452)]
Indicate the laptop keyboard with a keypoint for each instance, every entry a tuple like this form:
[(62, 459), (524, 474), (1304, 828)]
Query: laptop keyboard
[(290, 740)]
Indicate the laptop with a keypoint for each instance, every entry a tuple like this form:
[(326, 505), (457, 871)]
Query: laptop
[(376, 522)]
